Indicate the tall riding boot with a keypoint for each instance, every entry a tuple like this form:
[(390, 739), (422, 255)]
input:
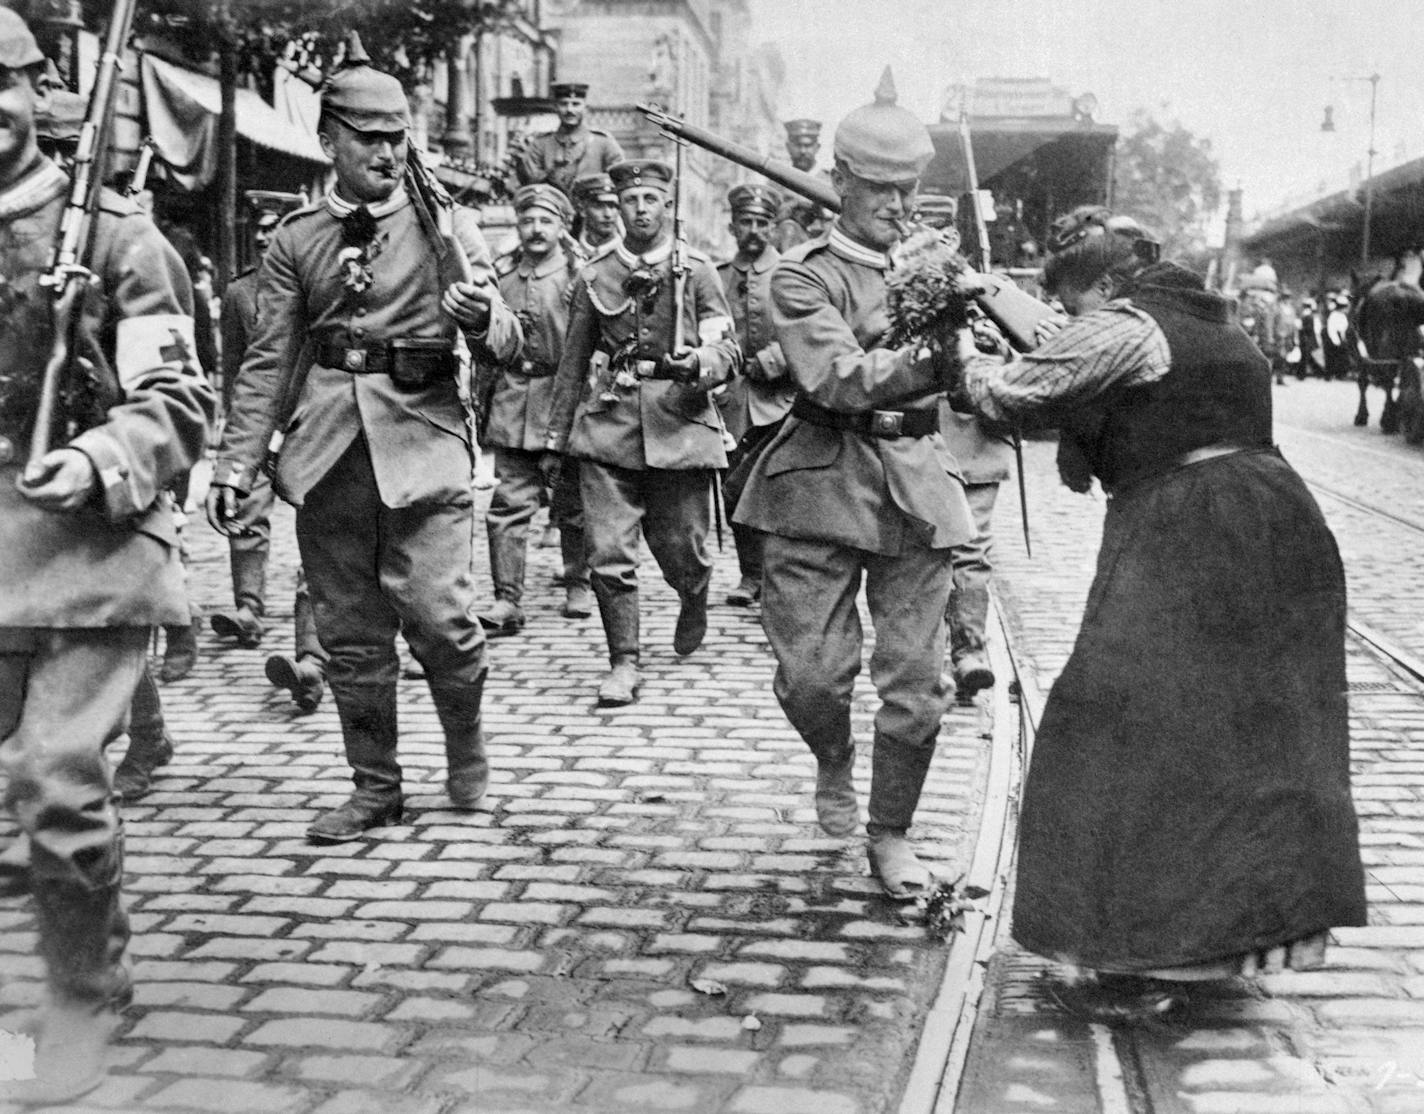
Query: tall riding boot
[(368, 730), (507, 557), (578, 601), (619, 612), (897, 776), (249, 591), (83, 931), (180, 648), (748, 589), (457, 705), (968, 614), (150, 745)]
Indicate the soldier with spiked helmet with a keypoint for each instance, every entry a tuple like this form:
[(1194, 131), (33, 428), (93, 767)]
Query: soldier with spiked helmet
[(857, 489)]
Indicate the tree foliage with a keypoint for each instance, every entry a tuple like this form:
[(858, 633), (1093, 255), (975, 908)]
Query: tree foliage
[(403, 37), (1169, 179)]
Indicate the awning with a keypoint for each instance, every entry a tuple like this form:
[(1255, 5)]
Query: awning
[(182, 110)]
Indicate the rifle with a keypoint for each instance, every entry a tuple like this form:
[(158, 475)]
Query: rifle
[(976, 203), (1014, 311), (68, 276)]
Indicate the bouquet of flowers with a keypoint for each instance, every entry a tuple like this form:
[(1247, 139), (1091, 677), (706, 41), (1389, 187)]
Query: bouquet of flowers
[(925, 293)]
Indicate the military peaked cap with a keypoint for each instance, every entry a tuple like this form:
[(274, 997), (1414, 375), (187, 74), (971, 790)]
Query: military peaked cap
[(594, 187), (883, 142), (18, 48), (632, 173), (797, 128), (541, 195), (936, 207), (273, 201), (568, 89), (752, 197)]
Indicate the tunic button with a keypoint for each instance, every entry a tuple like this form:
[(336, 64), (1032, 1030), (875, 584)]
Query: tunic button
[(360, 311), (7, 450)]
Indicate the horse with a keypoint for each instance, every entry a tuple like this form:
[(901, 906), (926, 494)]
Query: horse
[(1387, 321)]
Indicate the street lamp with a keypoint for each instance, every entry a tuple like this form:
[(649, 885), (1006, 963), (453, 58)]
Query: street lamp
[(1328, 125)]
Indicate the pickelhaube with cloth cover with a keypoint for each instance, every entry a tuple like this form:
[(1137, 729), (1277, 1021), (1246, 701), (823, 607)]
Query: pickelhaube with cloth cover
[(632, 173), (883, 142), (753, 198), (18, 49), (362, 97), (541, 195), (593, 187)]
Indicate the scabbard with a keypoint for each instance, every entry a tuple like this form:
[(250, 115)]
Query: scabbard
[(1023, 490)]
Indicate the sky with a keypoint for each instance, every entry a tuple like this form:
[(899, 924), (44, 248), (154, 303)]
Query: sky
[(1252, 76)]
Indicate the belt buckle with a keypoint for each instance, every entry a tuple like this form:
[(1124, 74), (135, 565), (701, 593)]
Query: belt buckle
[(887, 423), (355, 359)]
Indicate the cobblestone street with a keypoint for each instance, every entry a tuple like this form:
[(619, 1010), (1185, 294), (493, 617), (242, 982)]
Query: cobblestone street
[(539, 956)]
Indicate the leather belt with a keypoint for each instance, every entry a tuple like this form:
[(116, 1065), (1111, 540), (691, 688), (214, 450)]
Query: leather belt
[(380, 359), (532, 369), (887, 424)]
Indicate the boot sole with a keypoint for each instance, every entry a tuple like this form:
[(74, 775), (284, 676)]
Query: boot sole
[(499, 630), (224, 627), (386, 821)]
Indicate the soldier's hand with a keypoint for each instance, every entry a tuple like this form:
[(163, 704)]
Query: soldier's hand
[(63, 480), (684, 365), (221, 508), (550, 465), (989, 338), (469, 302)]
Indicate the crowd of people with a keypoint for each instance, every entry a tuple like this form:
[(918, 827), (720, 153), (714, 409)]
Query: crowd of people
[(1187, 814)]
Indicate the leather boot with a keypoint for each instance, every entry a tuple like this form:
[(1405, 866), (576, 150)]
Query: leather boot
[(578, 601), (83, 931), (968, 614), (507, 558), (897, 776), (249, 590), (837, 810), (620, 687), (304, 638), (691, 626), (150, 745), (304, 678), (749, 546), (180, 650), (458, 707), (368, 730)]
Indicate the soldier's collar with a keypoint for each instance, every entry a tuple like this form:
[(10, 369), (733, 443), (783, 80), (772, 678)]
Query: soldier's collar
[(847, 248), (41, 185), (552, 262), (766, 260), (660, 254), (340, 208)]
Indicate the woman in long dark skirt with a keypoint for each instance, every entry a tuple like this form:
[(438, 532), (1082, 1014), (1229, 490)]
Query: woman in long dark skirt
[(1187, 813)]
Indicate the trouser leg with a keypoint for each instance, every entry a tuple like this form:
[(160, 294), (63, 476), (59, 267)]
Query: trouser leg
[(567, 513), (339, 531), (61, 703), (305, 641), (739, 466), (613, 519), (810, 617), (513, 506), (149, 744), (677, 517), (906, 595), (972, 569)]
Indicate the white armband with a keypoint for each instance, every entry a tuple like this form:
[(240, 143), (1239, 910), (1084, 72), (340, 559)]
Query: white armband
[(144, 343)]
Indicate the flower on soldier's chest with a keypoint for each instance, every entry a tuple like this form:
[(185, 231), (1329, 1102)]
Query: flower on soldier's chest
[(354, 262)]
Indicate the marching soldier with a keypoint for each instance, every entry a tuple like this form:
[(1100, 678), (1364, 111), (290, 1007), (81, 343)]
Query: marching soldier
[(535, 281), (303, 674), (635, 412), (597, 203), (377, 455), (755, 404), (984, 461), (90, 560), (859, 488), (573, 150)]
